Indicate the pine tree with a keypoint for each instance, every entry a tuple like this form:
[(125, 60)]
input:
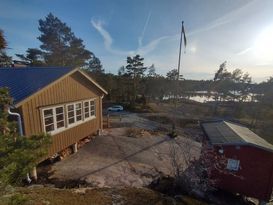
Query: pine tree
[(172, 74), (3, 43), (5, 60), (135, 69), (33, 57), (95, 65), (18, 154), (151, 71), (60, 45)]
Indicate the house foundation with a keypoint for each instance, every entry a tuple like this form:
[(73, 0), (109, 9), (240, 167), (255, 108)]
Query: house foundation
[(34, 174), (75, 147)]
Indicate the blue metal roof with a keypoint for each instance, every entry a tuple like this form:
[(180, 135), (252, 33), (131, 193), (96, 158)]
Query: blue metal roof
[(23, 82)]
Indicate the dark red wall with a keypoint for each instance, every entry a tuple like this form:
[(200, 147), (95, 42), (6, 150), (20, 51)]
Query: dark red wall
[(254, 177)]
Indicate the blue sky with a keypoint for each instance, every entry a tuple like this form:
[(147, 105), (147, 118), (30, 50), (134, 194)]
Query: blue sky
[(237, 31)]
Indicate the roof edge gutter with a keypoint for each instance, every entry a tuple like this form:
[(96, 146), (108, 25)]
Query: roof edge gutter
[(20, 131), (19, 122)]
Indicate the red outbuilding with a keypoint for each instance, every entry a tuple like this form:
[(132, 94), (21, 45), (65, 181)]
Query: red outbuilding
[(248, 159)]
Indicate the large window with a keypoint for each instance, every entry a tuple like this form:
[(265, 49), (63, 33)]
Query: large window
[(55, 119)]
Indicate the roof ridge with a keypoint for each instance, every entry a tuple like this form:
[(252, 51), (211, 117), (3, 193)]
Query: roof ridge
[(244, 138), (234, 131)]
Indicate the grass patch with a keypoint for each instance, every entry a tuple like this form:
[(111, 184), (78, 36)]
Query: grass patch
[(96, 196)]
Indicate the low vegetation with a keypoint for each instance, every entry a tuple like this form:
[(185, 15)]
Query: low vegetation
[(97, 196)]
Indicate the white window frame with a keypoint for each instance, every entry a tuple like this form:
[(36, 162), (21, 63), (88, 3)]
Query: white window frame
[(65, 115), (81, 114), (94, 106), (54, 115), (88, 106), (75, 114), (89, 109), (233, 164)]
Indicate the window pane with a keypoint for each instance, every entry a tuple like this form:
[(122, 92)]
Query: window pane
[(86, 104), (49, 128), (78, 105), (78, 112), (59, 110), (79, 117), (60, 124), (92, 113), (71, 120), (48, 120), (48, 113), (71, 114), (60, 117), (70, 107), (86, 115)]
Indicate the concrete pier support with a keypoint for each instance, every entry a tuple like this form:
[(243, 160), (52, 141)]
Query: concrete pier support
[(99, 132), (75, 147), (34, 174)]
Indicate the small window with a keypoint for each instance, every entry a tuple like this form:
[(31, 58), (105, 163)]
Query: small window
[(70, 114), (48, 120), (86, 109), (78, 111), (53, 119), (59, 117), (233, 164), (92, 108)]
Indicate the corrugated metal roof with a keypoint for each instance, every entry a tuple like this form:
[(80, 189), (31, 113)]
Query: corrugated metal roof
[(223, 132), (24, 82)]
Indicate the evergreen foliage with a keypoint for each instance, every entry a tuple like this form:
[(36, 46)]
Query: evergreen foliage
[(5, 60), (135, 70), (59, 46), (33, 57), (18, 154)]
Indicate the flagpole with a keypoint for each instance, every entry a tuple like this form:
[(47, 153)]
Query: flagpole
[(180, 48), (174, 133)]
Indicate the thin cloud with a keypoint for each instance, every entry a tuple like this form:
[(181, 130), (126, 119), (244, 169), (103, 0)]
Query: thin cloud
[(152, 45), (108, 41), (244, 51), (144, 29), (149, 47)]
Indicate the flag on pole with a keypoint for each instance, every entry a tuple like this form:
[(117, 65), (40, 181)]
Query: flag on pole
[(184, 35)]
